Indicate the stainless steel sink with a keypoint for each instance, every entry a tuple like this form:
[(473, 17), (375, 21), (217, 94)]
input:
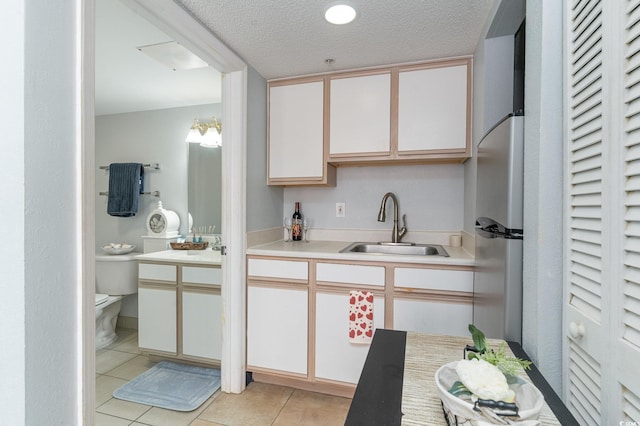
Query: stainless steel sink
[(396, 248)]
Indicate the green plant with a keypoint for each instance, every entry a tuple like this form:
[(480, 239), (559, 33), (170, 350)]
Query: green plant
[(510, 366)]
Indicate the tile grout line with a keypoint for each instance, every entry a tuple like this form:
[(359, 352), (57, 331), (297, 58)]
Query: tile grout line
[(282, 408)]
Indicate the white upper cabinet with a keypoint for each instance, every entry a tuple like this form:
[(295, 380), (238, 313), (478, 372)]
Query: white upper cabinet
[(404, 114), (433, 110), (360, 107), (296, 132)]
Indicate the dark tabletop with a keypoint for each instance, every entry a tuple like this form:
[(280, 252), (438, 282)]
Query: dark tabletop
[(378, 396)]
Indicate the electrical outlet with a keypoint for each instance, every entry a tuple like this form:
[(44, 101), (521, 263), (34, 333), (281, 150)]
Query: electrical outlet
[(340, 209)]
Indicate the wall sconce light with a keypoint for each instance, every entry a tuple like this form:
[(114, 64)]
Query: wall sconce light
[(208, 135)]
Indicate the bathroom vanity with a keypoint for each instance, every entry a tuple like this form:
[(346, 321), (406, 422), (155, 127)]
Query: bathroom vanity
[(179, 305)]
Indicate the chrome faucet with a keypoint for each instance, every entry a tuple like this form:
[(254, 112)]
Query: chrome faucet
[(396, 235)]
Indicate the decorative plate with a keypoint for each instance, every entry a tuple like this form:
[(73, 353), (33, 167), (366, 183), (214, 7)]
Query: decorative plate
[(118, 248)]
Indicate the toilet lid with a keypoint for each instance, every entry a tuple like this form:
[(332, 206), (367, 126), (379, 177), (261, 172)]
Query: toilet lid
[(101, 298)]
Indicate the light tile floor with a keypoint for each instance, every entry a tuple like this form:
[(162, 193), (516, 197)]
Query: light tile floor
[(260, 404)]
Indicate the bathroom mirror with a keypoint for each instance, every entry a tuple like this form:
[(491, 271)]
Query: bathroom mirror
[(205, 189)]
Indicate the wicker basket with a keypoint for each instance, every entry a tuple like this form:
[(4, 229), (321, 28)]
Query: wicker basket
[(458, 411), (189, 246)]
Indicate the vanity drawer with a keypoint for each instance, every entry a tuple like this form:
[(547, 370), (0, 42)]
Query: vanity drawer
[(196, 275), (151, 271)]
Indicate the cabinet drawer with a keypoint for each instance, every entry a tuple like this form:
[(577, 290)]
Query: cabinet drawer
[(286, 269), (350, 274), (148, 271), (425, 316), (433, 279), (195, 275)]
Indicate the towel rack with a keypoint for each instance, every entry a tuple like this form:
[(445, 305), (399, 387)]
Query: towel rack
[(154, 193), (154, 166)]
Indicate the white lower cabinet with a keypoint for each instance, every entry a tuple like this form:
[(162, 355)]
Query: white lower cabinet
[(336, 357), (201, 324), (180, 311), (433, 300), (308, 346), (432, 316), (277, 328), (157, 319)]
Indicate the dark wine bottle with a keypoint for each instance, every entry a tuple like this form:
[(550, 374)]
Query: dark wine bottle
[(296, 226)]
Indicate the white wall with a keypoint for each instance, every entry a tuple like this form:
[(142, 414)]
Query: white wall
[(430, 195), (12, 275), (40, 281), (264, 203), (542, 270), (145, 137)]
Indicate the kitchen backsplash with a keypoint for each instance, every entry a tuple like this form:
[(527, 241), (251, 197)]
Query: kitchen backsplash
[(432, 197)]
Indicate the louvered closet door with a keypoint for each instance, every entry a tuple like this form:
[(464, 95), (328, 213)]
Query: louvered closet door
[(626, 327), (584, 349), (602, 316)]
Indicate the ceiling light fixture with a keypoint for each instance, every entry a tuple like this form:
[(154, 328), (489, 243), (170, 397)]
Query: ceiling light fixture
[(173, 55), (208, 135), (340, 13)]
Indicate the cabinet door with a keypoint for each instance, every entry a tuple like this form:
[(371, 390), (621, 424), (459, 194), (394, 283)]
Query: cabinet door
[(157, 319), (360, 111), (277, 329), (432, 109), (432, 316), (336, 357), (296, 131), (201, 324)]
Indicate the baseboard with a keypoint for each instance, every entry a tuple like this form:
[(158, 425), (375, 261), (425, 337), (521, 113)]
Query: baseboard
[(328, 387)]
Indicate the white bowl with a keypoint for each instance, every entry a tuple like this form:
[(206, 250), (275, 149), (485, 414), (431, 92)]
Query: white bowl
[(118, 248)]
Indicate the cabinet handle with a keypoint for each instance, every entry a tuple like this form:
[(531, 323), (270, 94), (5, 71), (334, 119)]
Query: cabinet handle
[(576, 330)]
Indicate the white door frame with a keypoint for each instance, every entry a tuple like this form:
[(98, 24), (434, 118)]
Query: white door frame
[(178, 23)]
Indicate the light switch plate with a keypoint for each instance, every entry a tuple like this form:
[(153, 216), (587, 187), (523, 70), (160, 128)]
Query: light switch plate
[(340, 209)]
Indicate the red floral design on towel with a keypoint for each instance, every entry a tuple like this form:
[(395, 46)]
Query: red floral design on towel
[(360, 316)]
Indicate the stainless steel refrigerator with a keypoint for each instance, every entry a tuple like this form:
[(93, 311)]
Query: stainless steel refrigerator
[(497, 286)]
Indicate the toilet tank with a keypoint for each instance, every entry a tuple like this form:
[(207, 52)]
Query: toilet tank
[(116, 274)]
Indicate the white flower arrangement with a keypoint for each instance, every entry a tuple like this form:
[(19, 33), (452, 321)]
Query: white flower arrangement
[(484, 380), (486, 374)]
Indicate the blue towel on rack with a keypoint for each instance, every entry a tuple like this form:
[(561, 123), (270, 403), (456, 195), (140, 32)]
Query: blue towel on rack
[(126, 183)]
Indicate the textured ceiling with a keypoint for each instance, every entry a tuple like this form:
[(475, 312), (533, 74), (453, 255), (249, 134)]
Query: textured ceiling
[(279, 38), (282, 38)]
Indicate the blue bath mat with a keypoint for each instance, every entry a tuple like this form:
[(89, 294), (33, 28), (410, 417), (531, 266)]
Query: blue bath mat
[(172, 386)]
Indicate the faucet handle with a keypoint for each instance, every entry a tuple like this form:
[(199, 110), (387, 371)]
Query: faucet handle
[(403, 230)]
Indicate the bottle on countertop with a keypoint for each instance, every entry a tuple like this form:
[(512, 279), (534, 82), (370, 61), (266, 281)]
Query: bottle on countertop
[(296, 227)]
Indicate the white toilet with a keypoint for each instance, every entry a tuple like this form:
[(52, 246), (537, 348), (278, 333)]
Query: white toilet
[(116, 276)]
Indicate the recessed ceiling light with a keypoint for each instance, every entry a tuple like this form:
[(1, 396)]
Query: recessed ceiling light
[(340, 13)]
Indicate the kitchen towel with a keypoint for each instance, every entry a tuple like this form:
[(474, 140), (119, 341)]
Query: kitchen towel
[(126, 183), (360, 316)]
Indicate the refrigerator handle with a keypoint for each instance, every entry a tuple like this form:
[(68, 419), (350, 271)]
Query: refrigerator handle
[(489, 228)]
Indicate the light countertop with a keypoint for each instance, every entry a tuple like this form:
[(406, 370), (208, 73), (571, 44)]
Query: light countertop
[(331, 250), (206, 257)]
